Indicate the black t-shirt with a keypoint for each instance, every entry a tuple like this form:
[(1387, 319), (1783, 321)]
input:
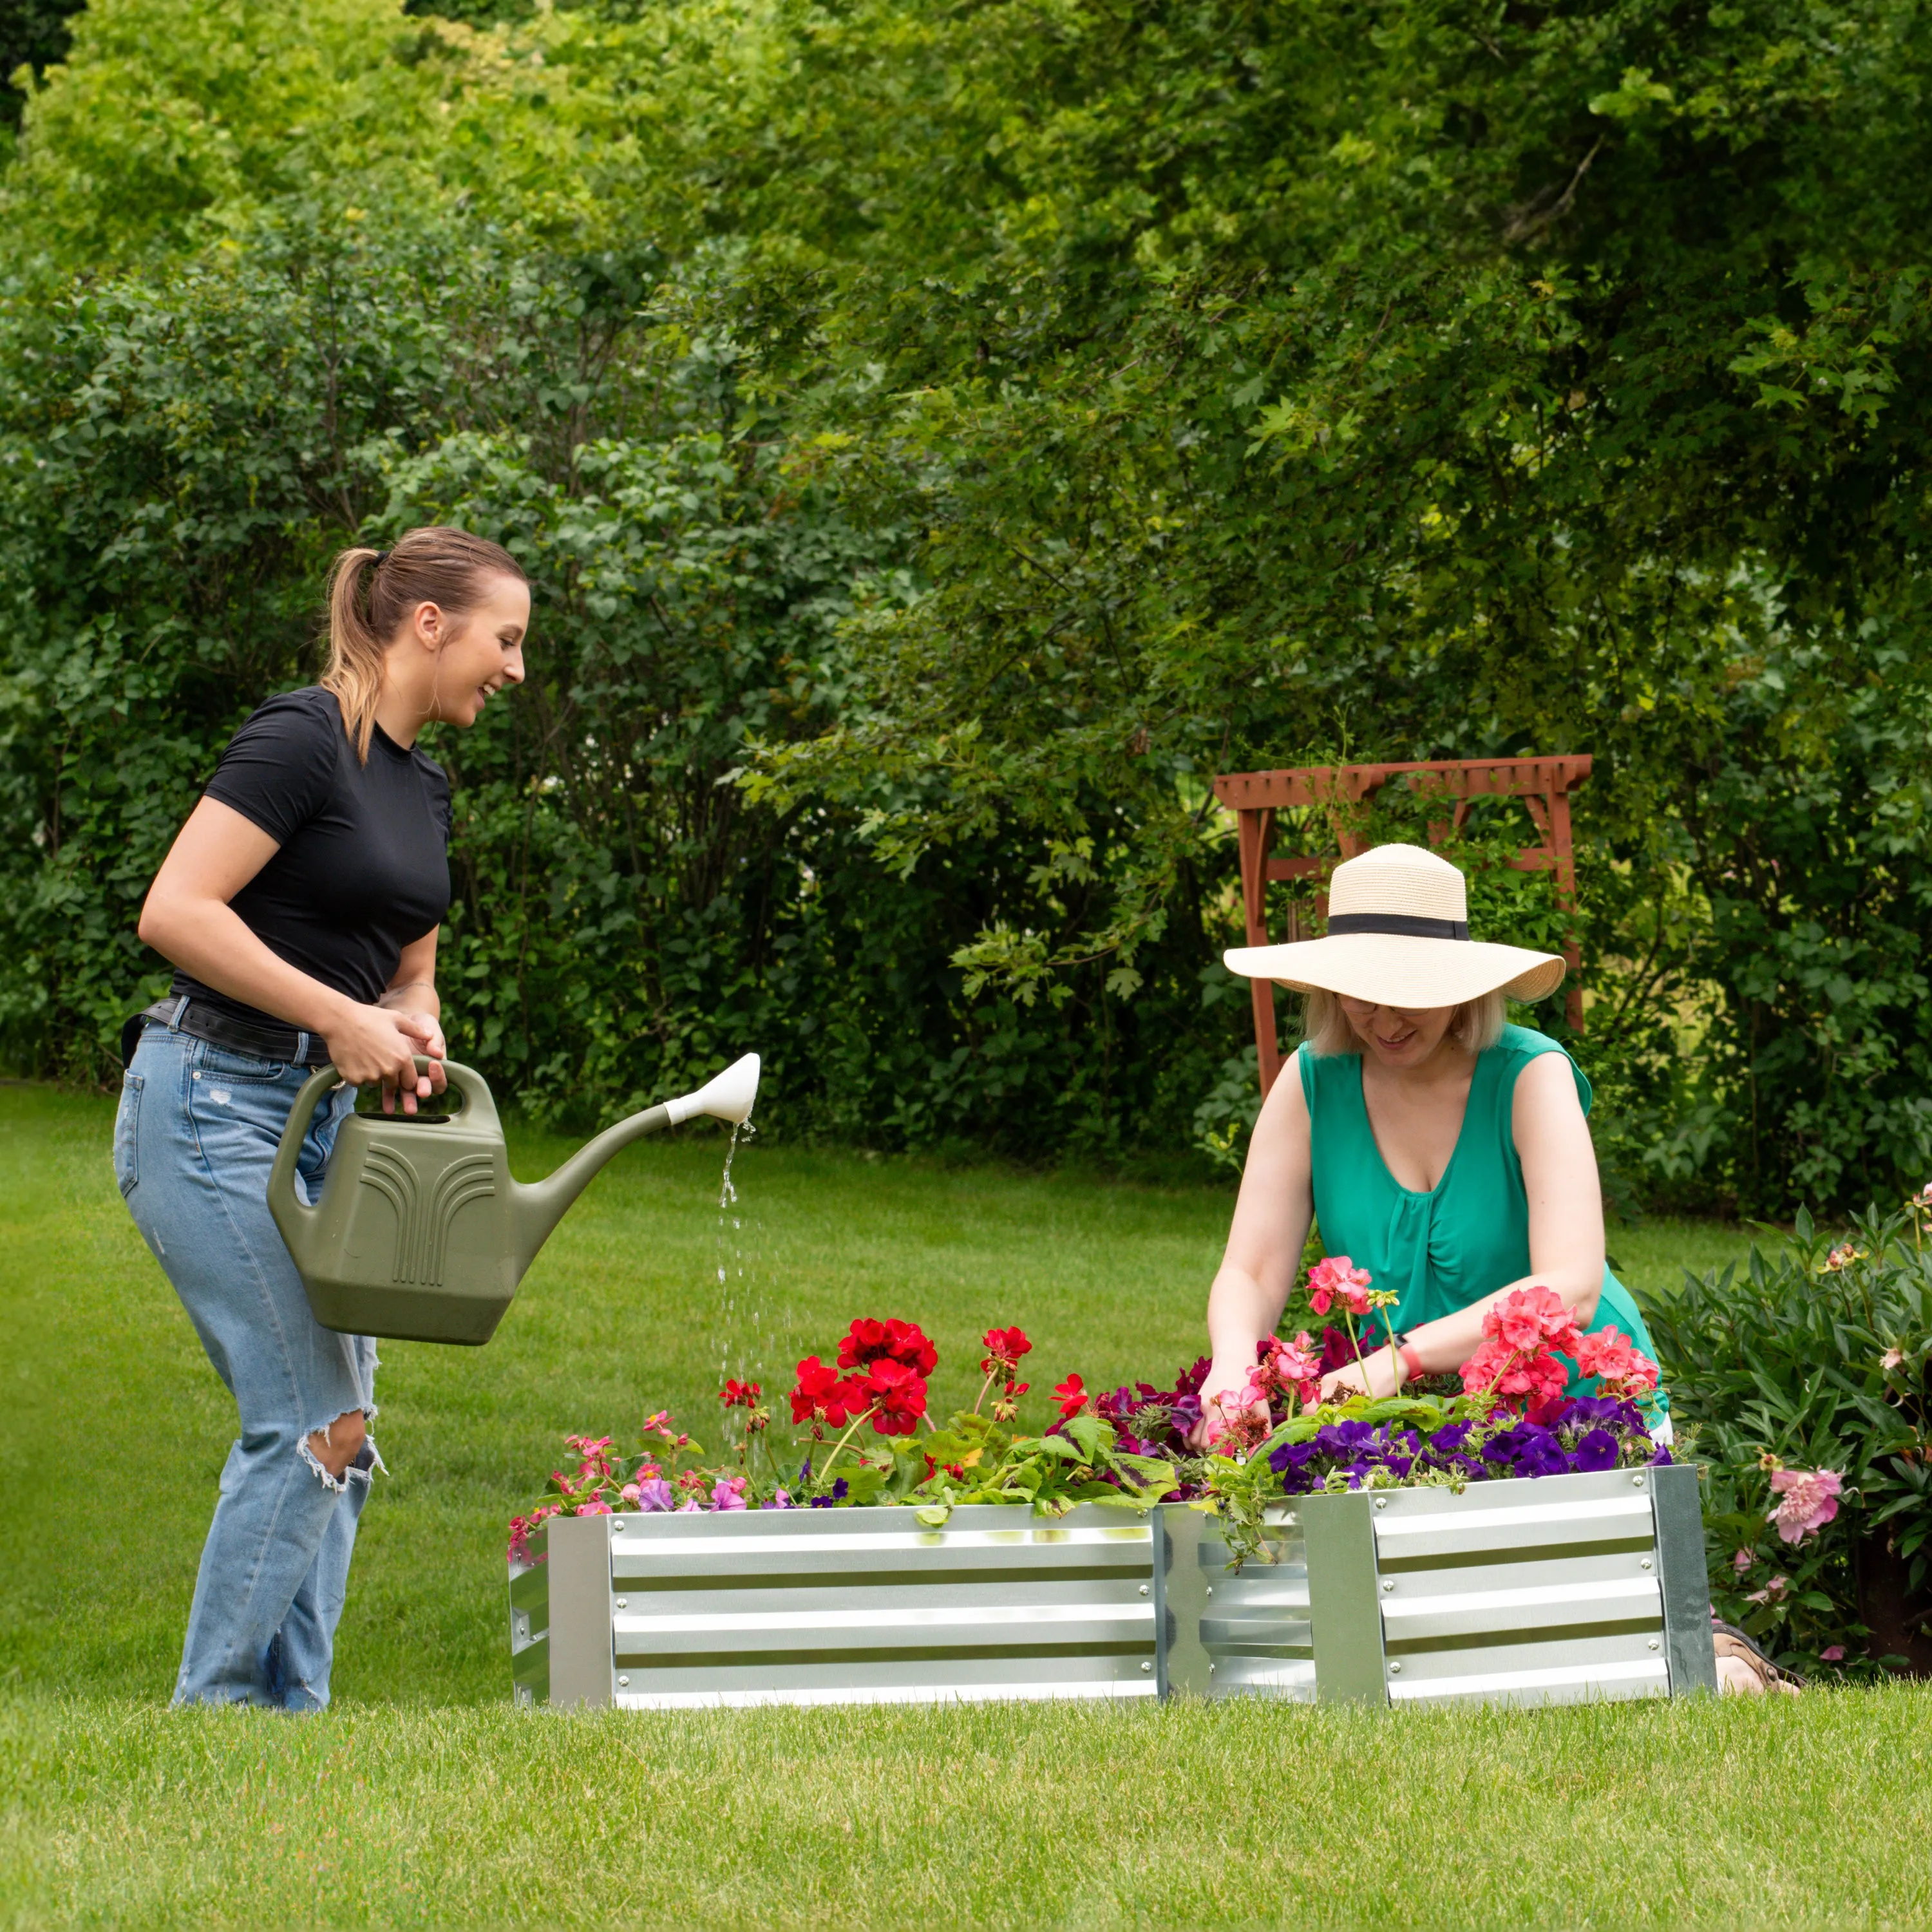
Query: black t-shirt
[(363, 867)]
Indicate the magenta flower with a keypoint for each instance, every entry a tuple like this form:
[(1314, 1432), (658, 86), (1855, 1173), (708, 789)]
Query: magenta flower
[(1772, 1592), (1810, 1502), (1832, 1653), (1742, 1561), (728, 1493)]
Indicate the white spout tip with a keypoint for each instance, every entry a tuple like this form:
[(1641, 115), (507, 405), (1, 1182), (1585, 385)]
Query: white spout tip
[(729, 1097)]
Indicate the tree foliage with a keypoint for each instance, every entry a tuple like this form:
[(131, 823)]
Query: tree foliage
[(943, 438)]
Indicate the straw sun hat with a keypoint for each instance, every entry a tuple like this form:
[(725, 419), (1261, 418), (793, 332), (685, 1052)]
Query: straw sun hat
[(1399, 936)]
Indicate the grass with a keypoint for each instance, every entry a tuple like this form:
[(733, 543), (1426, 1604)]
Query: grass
[(421, 1799)]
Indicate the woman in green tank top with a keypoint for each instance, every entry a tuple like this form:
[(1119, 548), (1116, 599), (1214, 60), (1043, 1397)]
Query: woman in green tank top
[(1441, 1149)]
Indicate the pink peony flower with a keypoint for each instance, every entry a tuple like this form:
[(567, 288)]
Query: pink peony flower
[(1832, 1653), (1810, 1500), (1336, 1279), (1772, 1592)]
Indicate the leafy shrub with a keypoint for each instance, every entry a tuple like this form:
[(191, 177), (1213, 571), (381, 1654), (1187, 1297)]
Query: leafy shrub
[(1815, 1359)]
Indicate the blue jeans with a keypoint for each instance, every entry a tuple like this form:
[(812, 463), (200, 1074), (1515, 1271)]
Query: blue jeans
[(193, 1142)]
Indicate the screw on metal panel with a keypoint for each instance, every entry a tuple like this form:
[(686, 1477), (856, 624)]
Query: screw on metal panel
[(1388, 1583), (1645, 1564), (1144, 1589), (1210, 1589), (1210, 1670), (1395, 1670), (1656, 1643), (1146, 1666), (623, 1684), (623, 1603), (1637, 1482), (1381, 1502)]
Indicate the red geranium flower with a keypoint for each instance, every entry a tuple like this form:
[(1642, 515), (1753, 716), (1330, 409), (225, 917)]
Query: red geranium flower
[(898, 1396), (1072, 1397), (739, 1395), (821, 1395), (1004, 1347), (901, 1342)]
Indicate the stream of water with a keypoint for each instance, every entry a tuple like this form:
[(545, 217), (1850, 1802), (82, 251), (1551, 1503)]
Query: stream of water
[(741, 1313)]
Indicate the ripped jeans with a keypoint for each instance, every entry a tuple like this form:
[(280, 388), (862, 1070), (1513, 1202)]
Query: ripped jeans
[(193, 1142)]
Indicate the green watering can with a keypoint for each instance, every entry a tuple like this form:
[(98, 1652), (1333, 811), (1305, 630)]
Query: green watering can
[(421, 1234)]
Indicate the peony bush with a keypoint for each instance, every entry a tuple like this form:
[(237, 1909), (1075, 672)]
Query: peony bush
[(1808, 1379)]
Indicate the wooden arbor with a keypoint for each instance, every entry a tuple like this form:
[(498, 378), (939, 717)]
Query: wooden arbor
[(1543, 784)]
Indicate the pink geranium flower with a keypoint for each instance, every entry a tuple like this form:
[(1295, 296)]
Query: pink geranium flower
[(1523, 1336), (1286, 1369), (1621, 1369), (1336, 1279), (1810, 1500)]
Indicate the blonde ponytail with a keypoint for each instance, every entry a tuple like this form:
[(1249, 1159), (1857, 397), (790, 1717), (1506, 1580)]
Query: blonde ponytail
[(372, 591)]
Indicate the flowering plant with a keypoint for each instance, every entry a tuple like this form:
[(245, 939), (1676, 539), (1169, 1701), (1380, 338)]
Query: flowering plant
[(1377, 1443), (1808, 1380), (1131, 1446), (880, 1379)]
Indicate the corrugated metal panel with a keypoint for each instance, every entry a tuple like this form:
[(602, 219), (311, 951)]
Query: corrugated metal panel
[(1530, 1592), (868, 1606), (1228, 1634), (529, 1633), (1254, 1625)]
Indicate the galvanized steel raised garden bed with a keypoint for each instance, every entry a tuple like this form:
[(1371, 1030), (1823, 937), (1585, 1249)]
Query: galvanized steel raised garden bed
[(1546, 1590)]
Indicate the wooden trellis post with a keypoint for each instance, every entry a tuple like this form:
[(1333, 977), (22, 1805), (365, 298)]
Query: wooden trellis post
[(1543, 784)]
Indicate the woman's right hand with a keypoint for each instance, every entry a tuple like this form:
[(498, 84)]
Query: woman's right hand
[(369, 1044), (1221, 1401)]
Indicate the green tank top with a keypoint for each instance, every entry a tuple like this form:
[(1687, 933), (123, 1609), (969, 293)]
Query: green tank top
[(1442, 1250)]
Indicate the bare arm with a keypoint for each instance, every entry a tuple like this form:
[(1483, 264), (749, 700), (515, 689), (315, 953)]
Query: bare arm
[(1271, 1217), (1566, 1224), (188, 920)]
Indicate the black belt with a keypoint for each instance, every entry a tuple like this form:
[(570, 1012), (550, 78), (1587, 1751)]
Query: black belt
[(285, 1045)]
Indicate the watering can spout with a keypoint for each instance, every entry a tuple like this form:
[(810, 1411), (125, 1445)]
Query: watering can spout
[(541, 1205)]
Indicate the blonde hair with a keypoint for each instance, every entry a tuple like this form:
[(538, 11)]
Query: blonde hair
[(371, 592), (1477, 1023)]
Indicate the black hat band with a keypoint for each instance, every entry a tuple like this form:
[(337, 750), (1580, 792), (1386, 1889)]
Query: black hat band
[(1399, 923)]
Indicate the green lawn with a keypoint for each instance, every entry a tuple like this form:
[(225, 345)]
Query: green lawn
[(422, 1799)]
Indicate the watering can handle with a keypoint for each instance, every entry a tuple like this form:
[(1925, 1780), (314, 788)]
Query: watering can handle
[(282, 1176)]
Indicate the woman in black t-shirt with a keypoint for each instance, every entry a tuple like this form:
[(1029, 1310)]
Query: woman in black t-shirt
[(300, 905)]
